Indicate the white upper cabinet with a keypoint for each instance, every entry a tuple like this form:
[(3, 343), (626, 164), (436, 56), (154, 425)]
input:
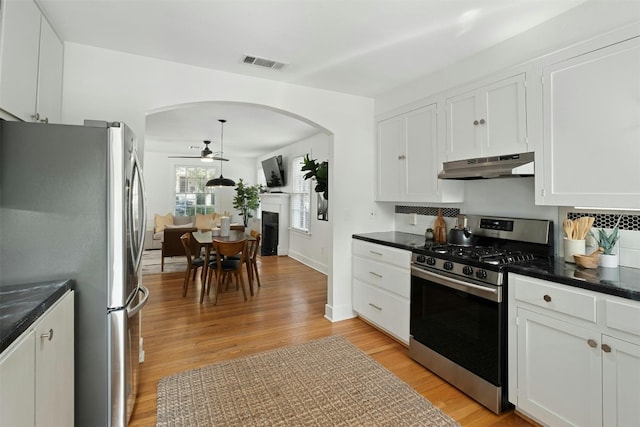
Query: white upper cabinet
[(591, 142), (487, 121), (31, 58), (407, 165)]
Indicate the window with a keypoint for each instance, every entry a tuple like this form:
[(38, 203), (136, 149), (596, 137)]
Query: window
[(300, 197), (192, 195)]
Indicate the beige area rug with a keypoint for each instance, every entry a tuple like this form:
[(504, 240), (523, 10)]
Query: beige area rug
[(327, 382), (152, 259)]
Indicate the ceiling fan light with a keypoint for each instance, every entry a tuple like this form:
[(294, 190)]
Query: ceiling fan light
[(206, 159), (221, 182)]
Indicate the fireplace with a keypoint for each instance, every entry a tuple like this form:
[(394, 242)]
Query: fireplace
[(269, 233)]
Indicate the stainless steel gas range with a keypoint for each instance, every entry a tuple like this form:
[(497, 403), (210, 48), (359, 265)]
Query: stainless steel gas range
[(458, 313)]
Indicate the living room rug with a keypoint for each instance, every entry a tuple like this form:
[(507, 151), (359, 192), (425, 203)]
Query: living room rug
[(152, 259), (326, 382)]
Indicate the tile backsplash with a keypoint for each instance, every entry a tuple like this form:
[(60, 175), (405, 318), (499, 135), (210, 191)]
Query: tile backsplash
[(628, 247)]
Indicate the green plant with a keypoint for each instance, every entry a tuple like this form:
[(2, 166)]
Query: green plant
[(607, 241), (246, 200), (319, 172)]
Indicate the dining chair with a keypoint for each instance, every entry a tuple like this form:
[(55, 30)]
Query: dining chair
[(252, 261), (193, 262), (226, 268)]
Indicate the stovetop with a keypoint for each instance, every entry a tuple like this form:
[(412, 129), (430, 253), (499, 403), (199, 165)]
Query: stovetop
[(481, 254)]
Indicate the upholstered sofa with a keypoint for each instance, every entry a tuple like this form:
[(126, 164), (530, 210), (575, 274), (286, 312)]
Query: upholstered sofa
[(155, 235)]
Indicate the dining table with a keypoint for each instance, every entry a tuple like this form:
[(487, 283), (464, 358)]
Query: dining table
[(207, 239)]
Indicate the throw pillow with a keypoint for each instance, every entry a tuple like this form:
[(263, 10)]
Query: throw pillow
[(162, 221), (203, 222)]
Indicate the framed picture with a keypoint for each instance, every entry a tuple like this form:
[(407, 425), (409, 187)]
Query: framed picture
[(323, 208)]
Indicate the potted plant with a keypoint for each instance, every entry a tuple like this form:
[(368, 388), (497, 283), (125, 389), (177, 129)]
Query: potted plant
[(319, 172), (608, 242), (247, 200)]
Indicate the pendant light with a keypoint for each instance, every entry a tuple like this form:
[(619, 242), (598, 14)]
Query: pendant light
[(221, 181)]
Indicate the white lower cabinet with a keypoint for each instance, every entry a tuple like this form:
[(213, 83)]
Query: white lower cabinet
[(381, 287), (573, 361), (37, 372)]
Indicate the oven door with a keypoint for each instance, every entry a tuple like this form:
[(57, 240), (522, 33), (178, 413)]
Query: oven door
[(464, 322)]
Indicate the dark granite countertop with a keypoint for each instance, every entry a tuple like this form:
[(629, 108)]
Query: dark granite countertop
[(396, 239), (21, 305), (622, 281)]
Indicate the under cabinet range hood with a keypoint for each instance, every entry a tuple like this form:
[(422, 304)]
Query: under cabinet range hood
[(510, 165)]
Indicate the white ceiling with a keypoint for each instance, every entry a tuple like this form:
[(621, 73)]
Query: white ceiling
[(360, 47)]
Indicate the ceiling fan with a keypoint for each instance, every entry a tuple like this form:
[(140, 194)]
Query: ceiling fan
[(206, 155)]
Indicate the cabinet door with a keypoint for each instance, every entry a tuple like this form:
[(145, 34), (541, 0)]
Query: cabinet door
[(19, 57), (391, 159), (17, 384), (591, 129), (49, 93), (421, 174), (505, 115), (462, 133), (54, 365), (621, 382), (559, 371)]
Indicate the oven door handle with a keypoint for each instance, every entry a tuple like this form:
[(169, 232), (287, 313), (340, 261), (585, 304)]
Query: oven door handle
[(453, 283)]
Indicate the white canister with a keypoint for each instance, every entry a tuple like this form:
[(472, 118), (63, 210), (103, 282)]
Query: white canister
[(225, 226), (572, 247)]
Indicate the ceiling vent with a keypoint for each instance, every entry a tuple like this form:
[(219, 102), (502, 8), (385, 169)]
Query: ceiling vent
[(263, 62)]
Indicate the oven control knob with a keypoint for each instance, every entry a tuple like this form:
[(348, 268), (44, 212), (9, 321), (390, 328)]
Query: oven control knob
[(481, 274), (431, 261), (468, 270), (448, 265), (421, 259)]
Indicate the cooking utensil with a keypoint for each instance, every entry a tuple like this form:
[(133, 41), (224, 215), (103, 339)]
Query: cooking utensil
[(440, 228), (582, 227), (460, 237), (568, 226)]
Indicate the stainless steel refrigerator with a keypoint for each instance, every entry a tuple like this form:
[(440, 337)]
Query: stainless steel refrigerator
[(72, 205)]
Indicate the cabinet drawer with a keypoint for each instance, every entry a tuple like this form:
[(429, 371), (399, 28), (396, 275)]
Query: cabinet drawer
[(556, 298), (623, 316), (389, 277), (389, 312), (399, 257)]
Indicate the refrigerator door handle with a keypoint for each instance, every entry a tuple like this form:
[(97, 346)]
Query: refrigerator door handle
[(137, 173), (132, 311)]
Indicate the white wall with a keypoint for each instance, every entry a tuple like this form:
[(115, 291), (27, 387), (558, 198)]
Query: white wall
[(108, 85), (581, 23), (311, 249), (159, 176)]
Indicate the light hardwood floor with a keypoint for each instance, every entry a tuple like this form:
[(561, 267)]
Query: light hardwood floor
[(180, 334)]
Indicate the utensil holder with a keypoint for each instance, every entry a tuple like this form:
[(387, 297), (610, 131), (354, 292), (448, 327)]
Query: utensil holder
[(572, 247)]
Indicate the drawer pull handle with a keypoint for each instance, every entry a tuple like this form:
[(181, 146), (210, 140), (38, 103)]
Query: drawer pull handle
[(547, 298), (606, 348), (592, 343), (48, 335), (379, 276), (376, 253), (375, 306)]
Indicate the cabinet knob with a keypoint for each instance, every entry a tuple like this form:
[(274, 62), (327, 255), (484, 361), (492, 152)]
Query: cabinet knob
[(402, 157), (592, 343), (476, 123), (606, 348), (547, 298), (48, 335), (482, 121)]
